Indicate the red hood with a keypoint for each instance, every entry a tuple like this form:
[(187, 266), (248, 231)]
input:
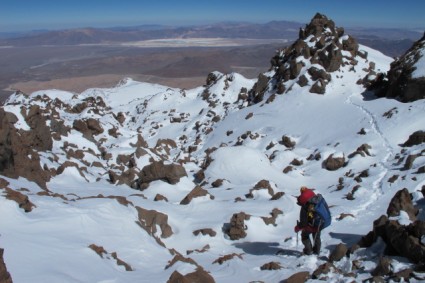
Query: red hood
[(305, 196)]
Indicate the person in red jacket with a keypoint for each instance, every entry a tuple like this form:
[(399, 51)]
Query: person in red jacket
[(307, 200)]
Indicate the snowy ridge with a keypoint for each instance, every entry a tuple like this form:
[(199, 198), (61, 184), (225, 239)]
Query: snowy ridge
[(96, 220)]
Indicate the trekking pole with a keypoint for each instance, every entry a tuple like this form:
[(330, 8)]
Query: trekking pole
[(297, 241), (318, 231)]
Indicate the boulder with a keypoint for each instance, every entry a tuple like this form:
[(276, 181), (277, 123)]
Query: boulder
[(402, 201), (383, 267), (334, 163), (299, 277), (400, 240), (416, 138), (237, 226), (317, 73), (198, 276), (157, 170), (338, 253), (287, 142), (151, 219), (318, 87), (271, 266), (198, 191), (4, 274)]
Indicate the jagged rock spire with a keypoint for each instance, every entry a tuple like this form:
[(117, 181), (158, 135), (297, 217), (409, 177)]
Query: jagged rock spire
[(322, 48)]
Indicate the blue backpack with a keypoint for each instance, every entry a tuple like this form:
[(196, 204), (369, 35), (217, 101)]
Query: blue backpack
[(322, 218)]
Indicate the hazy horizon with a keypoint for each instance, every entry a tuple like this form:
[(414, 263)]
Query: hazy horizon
[(27, 15)]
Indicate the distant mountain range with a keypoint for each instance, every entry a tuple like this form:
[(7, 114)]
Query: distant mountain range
[(271, 30)]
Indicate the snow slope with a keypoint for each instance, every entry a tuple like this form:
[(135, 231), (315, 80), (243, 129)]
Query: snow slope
[(241, 145)]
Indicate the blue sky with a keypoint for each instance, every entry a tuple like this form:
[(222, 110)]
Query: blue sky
[(16, 15)]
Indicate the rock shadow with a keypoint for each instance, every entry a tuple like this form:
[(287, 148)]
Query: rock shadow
[(265, 248)]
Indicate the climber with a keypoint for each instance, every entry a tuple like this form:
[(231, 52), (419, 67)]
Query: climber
[(314, 217)]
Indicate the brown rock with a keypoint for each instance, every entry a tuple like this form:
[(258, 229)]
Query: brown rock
[(399, 83), (206, 231), (160, 197), (338, 253), (383, 267), (150, 219), (198, 191), (237, 227), (217, 183), (157, 170), (225, 258), (416, 138), (4, 274), (199, 276), (299, 277), (317, 73), (271, 266), (18, 149), (334, 163), (319, 87), (287, 142), (402, 201), (324, 269), (21, 199)]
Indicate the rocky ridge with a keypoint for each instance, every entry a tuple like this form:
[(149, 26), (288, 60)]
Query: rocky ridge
[(321, 52), (159, 155), (405, 80)]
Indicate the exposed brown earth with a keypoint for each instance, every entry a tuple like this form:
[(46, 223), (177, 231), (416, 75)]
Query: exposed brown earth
[(77, 68)]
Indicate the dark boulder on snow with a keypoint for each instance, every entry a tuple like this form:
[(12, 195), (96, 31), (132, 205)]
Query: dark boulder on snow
[(383, 267), (151, 219), (4, 274), (299, 277), (338, 253), (402, 201), (157, 170), (324, 269), (288, 142), (236, 228), (21, 199), (334, 163), (198, 191), (405, 80), (198, 276), (88, 127), (400, 239), (416, 138), (271, 266)]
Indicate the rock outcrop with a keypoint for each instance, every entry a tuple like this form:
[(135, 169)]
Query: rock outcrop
[(4, 274), (237, 226), (321, 49), (401, 240), (19, 148), (157, 170), (405, 80)]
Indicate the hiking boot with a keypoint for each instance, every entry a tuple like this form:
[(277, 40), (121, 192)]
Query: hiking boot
[(307, 251), (316, 250)]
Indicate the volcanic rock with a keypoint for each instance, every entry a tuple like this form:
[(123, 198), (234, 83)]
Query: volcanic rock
[(404, 81), (4, 274), (237, 227), (157, 170)]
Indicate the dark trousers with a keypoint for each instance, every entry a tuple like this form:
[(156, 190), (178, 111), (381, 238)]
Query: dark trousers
[(308, 247)]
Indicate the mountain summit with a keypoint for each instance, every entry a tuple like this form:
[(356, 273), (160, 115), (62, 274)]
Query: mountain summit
[(143, 182), (322, 49)]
